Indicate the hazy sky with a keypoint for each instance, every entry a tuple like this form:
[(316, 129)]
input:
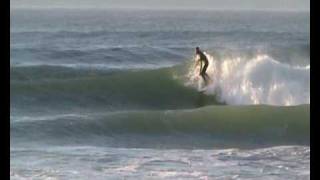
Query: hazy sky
[(166, 4)]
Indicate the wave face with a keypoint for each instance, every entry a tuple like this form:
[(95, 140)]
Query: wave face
[(61, 89), (257, 80), (211, 126)]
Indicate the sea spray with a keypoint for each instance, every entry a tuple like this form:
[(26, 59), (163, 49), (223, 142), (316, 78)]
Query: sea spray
[(257, 80)]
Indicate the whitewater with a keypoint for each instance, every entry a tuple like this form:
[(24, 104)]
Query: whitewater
[(258, 80)]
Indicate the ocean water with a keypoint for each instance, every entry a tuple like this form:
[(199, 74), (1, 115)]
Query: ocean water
[(114, 94)]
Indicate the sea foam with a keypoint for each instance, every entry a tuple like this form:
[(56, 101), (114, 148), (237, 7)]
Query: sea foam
[(258, 80)]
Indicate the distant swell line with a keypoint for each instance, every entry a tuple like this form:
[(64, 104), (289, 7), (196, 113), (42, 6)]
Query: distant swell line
[(212, 125)]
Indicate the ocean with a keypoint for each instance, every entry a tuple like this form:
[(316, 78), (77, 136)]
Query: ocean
[(114, 94)]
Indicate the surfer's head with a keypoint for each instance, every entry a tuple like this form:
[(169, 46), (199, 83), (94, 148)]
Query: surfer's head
[(197, 49)]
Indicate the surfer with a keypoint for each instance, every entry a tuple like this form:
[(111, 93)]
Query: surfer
[(202, 58)]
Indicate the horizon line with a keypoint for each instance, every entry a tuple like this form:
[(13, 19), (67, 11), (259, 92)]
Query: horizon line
[(161, 9)]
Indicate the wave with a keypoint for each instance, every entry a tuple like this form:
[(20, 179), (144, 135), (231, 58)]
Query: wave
[(58, 88), (236, 81), (207, 127), (257, 80)]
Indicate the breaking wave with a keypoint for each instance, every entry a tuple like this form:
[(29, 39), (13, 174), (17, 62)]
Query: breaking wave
[(258, 80)]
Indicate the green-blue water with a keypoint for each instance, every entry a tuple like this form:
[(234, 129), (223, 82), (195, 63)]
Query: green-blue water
[(105, 94)]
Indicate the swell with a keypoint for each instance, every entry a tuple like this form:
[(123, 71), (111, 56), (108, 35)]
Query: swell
[(139, 41), (207, 127), (114, 56), (184, 33)]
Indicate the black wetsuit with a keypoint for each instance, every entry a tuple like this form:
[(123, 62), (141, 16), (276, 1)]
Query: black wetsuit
[(206, 62)]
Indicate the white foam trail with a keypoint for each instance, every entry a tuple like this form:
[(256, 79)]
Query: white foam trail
[(260, 80)]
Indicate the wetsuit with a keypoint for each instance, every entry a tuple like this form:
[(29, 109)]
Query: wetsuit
[(206, 62)]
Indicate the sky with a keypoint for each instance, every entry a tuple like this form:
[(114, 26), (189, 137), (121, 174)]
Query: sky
[(167, 4)]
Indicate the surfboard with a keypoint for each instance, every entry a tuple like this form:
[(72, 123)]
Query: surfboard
[(202, 86), (202, 90)]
